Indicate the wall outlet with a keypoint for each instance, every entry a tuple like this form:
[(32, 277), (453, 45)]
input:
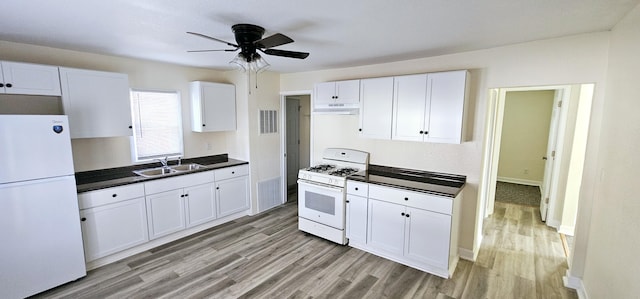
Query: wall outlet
[(208, 146)]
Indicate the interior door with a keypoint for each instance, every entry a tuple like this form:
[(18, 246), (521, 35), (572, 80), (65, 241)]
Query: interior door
[(293, 141), (550, 157)]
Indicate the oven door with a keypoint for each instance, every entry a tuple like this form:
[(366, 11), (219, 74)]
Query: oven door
[(321, 203)]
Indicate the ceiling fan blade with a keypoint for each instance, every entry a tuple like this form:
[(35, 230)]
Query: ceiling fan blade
[(284, 53), (275, 40), (213, 38), (218, 50)]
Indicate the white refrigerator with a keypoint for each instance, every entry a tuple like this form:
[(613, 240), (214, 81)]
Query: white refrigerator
[(40, 237)]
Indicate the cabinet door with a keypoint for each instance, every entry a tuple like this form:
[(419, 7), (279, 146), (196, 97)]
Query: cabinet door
[(348, 92), (97, 103), (427, 237), (165, 213), (356, 219), (233, 195), (446, 92), (218, 102), (32, 79), (375, 107), (114, 227), (409, 104), (325, 93), (200, 204), (386, 227)]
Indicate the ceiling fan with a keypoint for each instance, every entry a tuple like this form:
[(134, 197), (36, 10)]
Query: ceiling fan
[(249, 41)]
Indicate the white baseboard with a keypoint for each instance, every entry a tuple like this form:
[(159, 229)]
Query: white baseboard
[(466, 254), (520, 181), (553, 223), (567, 230), (576, 284)]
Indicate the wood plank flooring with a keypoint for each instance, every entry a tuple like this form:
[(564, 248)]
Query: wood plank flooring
[(266, 256)]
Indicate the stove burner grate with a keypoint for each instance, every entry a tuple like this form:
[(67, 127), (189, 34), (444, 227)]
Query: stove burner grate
[(321, 168), (344, 171)]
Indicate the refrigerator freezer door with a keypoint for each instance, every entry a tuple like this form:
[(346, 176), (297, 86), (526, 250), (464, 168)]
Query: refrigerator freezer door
[(40, 237), (34, 147)]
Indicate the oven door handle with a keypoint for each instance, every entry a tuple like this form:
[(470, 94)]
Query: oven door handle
[(321, 186)]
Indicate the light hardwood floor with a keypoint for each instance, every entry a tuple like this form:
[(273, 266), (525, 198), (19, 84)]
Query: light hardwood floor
[(265, 256)]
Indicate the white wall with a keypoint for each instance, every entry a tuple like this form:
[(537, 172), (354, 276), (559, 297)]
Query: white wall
[(525, 132), (612, 264), (568, 60)]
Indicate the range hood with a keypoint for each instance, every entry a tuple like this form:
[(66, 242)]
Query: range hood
[(336, 108)]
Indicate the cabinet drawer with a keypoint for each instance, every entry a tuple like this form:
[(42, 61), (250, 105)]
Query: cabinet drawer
[(109, 195), (408, 198), (231, 172), (177, 182), (357, 188)]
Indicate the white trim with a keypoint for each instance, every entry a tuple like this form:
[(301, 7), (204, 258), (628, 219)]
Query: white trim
[(520, 181), (555, 223), (568, 230), (576, 284), (467, 254)]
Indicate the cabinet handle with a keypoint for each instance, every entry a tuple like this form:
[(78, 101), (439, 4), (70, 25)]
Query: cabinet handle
[(181, 195), (1, 85), (204, 125), (233, 172), (186, 195), (421, 132), (9, 85), (406, 198), (114, 195), (130, 127), (83, 219), (347, 201), (407, 215), (356, 188), (217, 188), (426, 132), (402, 213), (360, 130)]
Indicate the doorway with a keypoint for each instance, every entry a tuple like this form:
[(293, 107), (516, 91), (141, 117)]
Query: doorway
[(565, 174), (296, 140)]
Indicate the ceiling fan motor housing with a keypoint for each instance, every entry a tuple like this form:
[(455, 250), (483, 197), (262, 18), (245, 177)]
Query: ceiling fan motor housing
[(246, 35)]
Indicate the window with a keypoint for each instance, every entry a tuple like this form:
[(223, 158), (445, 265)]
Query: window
[(157, 125)]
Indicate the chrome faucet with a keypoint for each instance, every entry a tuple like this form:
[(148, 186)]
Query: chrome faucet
[(164, 161)]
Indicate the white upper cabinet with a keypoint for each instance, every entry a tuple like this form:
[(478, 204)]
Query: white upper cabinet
[(409, 102), (30, 79), (97, 103), (336, 96), (376, 107), (213, 107), (430, 107)]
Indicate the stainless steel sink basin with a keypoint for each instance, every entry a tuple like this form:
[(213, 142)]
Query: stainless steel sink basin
[(186, 167), (154, 172)]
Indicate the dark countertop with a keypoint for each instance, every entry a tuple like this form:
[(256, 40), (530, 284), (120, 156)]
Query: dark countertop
[(442, 184), (112, 177)]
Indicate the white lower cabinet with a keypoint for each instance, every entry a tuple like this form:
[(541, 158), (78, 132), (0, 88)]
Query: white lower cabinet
[(200, 204), (166, 213), (356, 225), (120, 218), (112, 221), (427, 235), (232, 190), (413, 228)]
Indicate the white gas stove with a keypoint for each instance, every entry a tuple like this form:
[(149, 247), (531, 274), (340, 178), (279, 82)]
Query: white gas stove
[(321, 195)]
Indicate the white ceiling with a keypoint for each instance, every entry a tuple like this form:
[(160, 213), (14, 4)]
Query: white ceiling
[(337, 33)]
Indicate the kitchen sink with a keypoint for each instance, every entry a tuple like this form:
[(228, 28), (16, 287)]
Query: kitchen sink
[(186, 167), (154, 172)]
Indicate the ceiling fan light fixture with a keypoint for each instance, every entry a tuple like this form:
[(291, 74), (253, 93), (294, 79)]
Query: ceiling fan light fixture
[(257, 64)]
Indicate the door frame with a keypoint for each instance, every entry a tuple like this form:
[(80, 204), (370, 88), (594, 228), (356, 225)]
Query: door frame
[(283, 136), (495, 114)]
